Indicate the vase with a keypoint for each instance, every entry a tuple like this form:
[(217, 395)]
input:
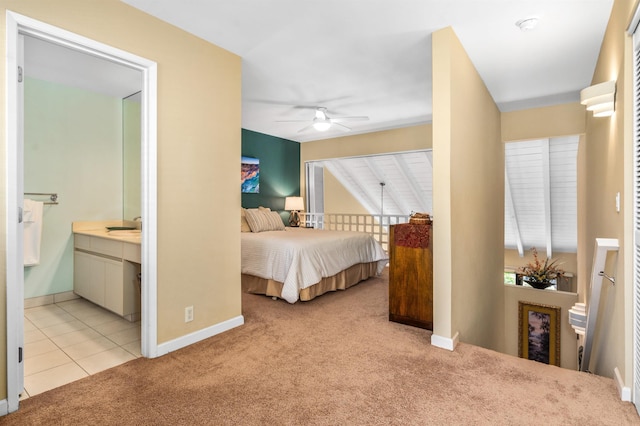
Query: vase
[(540, 285)]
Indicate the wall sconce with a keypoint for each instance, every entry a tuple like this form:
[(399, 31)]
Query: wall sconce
[(294, 205), (600, 98)]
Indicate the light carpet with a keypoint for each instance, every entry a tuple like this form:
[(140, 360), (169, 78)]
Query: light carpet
[(335, 360)]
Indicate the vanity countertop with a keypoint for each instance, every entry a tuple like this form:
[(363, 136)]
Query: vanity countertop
[(99, 229)]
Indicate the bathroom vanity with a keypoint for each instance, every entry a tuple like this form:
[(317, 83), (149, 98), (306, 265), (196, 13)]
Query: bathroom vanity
[(106, 267)]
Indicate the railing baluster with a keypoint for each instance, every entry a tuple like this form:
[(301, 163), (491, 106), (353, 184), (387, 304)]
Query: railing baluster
[(375, 225)]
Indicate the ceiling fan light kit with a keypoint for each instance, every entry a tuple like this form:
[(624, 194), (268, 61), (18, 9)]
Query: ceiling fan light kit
[(321, 122), (321, 126)]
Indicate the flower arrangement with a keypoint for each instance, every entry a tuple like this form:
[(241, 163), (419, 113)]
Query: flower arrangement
[(541, 272)]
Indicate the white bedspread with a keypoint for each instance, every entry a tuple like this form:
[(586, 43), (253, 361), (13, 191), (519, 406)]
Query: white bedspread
[(301, 257)]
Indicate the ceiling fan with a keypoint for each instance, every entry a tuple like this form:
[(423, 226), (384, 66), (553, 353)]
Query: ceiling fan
[(322, 122)]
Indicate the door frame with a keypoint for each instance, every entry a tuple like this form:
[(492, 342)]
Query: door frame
[(19, 24)]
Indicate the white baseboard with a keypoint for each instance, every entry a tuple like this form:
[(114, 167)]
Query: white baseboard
[(4, 407), (623, 391), (444, 342), (196, 336)]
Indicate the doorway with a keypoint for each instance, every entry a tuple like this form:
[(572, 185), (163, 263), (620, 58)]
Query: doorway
[(17, 27)]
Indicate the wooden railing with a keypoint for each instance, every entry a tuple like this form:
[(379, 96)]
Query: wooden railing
[(376, 225)]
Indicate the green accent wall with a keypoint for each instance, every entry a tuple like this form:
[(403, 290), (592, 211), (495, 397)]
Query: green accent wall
[(279, 169)]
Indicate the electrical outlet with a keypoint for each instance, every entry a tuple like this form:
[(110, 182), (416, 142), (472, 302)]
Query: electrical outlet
[(188, 314)]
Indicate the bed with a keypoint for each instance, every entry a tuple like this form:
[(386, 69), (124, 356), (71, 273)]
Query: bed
[(301, 263)]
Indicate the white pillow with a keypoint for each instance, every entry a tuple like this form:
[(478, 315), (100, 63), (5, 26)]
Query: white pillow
[(260, 220), (244, 226)]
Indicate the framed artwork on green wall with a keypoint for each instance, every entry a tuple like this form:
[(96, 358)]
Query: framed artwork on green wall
[(250, 175)]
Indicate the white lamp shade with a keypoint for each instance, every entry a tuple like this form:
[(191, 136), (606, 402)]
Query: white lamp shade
[(599, 98), (293, 203)]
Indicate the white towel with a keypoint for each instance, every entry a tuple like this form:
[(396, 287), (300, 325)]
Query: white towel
[(32, 219)]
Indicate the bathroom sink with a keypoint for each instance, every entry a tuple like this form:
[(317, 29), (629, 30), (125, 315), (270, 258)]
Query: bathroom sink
[(126, 233)]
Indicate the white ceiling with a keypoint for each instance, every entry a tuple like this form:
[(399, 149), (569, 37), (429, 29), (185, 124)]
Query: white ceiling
[(53, 62), (373, 57)]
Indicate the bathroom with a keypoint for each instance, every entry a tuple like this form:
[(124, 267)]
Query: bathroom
[(78, 133)]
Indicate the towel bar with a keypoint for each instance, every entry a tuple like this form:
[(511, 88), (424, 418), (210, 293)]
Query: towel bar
[(52, 196)]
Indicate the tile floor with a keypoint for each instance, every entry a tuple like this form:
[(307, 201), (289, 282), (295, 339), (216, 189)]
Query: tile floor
[(69, 340)]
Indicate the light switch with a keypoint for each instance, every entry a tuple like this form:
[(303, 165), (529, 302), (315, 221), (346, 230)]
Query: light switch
[(618, 202)]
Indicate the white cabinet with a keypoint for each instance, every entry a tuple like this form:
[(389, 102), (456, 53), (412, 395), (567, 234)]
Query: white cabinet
[(104, 272)]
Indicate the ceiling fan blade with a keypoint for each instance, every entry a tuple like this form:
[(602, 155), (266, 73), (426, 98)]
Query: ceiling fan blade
[(305, 107), (281, 102), (291, 121), (340, 127), (310, 126), (344, 119)]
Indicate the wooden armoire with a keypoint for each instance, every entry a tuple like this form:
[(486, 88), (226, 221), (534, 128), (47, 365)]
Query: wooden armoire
[(411, 274)]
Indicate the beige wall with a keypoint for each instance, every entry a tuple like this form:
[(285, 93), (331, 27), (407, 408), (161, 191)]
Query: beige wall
[(396, 140), (605, 173), (546, 122), (468, 200), (338, 199), (199, 146)]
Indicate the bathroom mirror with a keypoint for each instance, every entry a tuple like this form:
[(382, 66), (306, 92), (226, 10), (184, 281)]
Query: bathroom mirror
[(131, 147)]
